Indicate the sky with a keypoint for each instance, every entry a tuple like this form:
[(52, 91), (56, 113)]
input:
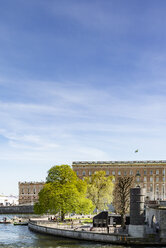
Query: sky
[(80, 81)]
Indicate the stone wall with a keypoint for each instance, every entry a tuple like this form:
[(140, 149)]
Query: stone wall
[(17, 209), (156, 218), (82, 235), (123, 239)]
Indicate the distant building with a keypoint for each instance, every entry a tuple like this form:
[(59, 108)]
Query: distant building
[(150, 175), (28, 192), (8, 200)]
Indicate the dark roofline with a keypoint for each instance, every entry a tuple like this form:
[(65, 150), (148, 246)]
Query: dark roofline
[(121, 162)]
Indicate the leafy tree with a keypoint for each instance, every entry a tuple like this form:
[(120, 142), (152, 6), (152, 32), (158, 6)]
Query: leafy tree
[(63, 193), (61, 174), (99, 189), (121, 196)]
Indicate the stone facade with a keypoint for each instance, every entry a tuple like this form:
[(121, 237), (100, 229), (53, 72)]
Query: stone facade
[(150, 175), (156, 218), (28, 192)]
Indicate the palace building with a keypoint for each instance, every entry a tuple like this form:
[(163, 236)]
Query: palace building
[(149, 175), (28, 192)]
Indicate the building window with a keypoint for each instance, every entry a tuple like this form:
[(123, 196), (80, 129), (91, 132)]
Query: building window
[(157, 179), (113, 173), (107, 173), (157, 172), (144, 172), (90, 173), (163, 171), (151, 179), (125, 173), (131, 172), (151, 188), (138, 179), (151, 172), (145, 179), (77, 172), (145, 186), (22, 191), (163, 179), (119, 173), (157, 188), (28, 190), (163, 189), (34, 191), (83, 173)]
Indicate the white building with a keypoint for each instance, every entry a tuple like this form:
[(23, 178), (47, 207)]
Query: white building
[(8, 200)]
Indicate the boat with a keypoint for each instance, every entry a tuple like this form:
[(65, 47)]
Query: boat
[(5, 221), (21, 223)]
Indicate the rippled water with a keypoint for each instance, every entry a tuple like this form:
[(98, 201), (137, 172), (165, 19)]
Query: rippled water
[(21, 236), (12, 236)]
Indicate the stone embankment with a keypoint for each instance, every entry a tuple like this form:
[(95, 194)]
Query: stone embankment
[(19, 209), (48, 228), (89, 235)]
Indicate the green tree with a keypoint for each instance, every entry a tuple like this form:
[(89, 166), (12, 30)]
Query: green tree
[(61, 174), (99, 189), (63, 193), (121, 196)]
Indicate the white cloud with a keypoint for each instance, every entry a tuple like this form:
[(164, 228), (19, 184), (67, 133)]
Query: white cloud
[(74, 122)]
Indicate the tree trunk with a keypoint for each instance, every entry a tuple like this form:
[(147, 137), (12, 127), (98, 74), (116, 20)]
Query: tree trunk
[(62, 216), (123, 219)]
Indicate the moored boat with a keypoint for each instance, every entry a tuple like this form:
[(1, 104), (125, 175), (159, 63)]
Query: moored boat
[(5, 221), (21, 223)]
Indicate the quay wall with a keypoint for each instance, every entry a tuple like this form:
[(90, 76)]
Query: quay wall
[(81, 235), (111, 238), (24, 209)]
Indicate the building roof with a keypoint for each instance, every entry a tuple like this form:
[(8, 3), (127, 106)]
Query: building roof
[(155, 162)]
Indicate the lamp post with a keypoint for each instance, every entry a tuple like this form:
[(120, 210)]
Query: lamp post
[(138, 175)]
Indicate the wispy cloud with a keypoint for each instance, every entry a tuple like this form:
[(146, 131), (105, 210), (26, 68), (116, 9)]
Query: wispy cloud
[(77, 110)]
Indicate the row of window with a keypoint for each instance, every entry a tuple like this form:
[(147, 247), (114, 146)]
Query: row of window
[(152, 179), (154, 188), (28, 191), (35, 197), (151, 188), (152, 172)]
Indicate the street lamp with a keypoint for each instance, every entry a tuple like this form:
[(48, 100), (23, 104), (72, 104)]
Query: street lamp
[(138, 175)]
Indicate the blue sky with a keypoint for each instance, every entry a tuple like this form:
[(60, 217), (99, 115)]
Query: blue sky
[(80, 80)]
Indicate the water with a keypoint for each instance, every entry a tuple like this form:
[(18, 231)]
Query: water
[(20, 236)]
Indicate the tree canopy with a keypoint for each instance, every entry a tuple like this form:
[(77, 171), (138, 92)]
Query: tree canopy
[(63, 193), (61, 174), (121, 196), (99, 189)]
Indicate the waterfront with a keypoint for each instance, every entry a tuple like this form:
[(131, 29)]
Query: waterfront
[(20, 236)]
